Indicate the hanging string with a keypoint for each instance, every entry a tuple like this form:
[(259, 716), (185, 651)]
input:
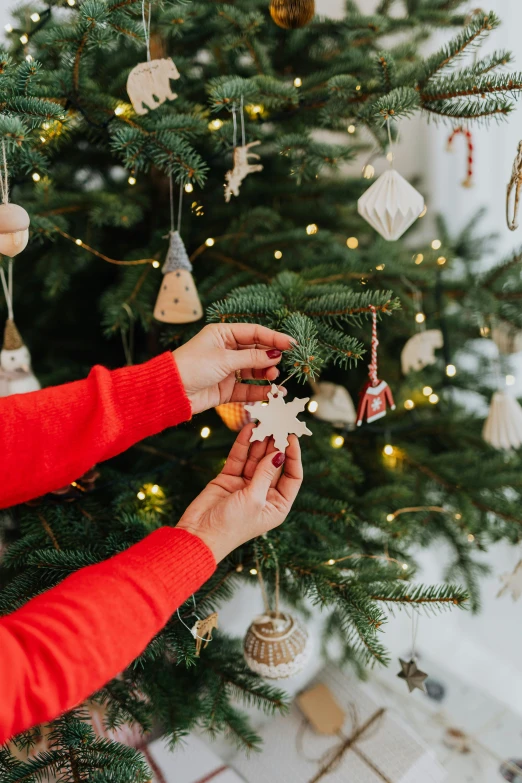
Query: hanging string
[(146, 27), (234, 122), (414, 629), (128, 344), (194, 614), (375, 342), (262, 586), (7, 285), (171, 205), (392, 156), (180, 205), (243, 137), (4, 178)]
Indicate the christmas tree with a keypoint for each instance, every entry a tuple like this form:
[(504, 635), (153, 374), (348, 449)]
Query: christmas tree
[(102, 180)]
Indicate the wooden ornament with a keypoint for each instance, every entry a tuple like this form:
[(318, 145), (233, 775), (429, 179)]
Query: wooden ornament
[(234, 415), (148, 84), (512, 582), (241, 169), (278, 419), (292, 14), (390, 205), (178, 301), (419, 351), (202, 631), (507, 338), (503, 426), (276, 646), (14, 229), (334, 404)]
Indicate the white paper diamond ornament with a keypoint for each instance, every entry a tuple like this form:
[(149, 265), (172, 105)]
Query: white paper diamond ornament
[(391, 205)]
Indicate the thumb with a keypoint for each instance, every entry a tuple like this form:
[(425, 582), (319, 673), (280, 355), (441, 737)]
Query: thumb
[(268, 468)]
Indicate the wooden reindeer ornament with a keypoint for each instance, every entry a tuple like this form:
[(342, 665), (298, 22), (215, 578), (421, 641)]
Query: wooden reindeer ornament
[(241, 169), (202, 631)]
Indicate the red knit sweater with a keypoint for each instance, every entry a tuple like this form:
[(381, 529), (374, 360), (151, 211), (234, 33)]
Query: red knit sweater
[(67, 642)]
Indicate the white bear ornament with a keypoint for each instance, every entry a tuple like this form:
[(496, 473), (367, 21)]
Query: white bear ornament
[(148, 84)]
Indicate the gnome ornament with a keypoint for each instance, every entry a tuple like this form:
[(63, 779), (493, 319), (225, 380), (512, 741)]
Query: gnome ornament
[(391, 205), (178, 301), (16, 376)]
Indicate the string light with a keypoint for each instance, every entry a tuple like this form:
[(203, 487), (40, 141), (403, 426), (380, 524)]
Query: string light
[(257, 109), (433, 398), (337, 441), (419, 258), (154, 489), (71, 2), (119, 110), (43, 139), (46, 126), (404, 566), (331, 561), (189, 187), (253, 571), (131, 180), (36, 176), (380, 267), (388, 450), (210, 242), (458, 516), (29, 58), (390, 517), (215, 124), (451, 370), (510, 380), (298, 82), (312, 406), (35, 17), (79, 242), (312, 228), (239, 567), (351, 129), (427, 391), (409, 405), (484, 331), (352, 243), (358, 87), (205, 432), (441, 260), (471, 537), (436, 244), (89, 249), (24, 38), (424, 211), (368, 171), (420, 318), (141, 495), (278, 254), (8, 28), (155, 264)]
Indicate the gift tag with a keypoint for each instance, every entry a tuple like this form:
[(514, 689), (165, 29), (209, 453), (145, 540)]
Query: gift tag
[(321, 709)]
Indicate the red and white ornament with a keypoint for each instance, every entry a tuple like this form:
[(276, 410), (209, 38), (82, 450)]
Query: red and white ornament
[(467, 182), (375, 396)]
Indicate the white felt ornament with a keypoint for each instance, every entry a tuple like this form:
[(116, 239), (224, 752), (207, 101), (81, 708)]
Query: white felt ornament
[(390, 205), (512, 582), (334, 404), (148, 84), (178, 301), (241, 169), (503, 426), (278, 419), (419, 351), (507, 338)]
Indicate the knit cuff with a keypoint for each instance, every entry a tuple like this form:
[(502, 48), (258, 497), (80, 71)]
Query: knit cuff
[(151, 396)]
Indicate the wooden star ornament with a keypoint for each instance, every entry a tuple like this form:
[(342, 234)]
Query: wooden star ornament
[(278, 418), (512, 582), (413, 676)]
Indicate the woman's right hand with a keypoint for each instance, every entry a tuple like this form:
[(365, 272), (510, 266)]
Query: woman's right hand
[(250, 496)]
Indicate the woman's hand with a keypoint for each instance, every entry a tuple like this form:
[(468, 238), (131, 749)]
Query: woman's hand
[(208, 363), (250, 496)]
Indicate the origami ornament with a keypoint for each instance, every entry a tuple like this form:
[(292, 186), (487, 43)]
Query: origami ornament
[(413, 676), (390, 205), (148, 84), (178, 301), (503, 426), (419, 351), (278, 419), (512, 582), (376, 395), (241, 169)]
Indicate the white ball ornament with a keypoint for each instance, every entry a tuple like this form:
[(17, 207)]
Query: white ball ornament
[(276, 646), (14, 229), (391, 205)]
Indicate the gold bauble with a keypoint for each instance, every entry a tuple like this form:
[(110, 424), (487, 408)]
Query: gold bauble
[(276, 646), (292, 14), (14, 229)]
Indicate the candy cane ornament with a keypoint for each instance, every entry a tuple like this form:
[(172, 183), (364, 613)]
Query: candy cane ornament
[(468, 181), (375, 395)]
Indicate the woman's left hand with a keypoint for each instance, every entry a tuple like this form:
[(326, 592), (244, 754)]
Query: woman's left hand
[(208, 363)]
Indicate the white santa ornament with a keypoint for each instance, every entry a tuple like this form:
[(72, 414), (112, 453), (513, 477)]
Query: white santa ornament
[(16, 376)]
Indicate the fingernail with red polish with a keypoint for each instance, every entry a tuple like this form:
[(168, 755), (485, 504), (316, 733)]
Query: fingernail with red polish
[(278, 459), (273, 353)]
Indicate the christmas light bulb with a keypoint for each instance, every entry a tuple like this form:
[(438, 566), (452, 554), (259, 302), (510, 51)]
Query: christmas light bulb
[(451, 370), (189, 187), (471, 537), (141, 495), (368, 171), (331, 561), (297, 82), (79, 242), (337, 441), (312, 406), (155, 264), (71, 2), (420, 318), (427, 391), (36, 176), (210, 242), (205, 432), (419, 258), (405, 566), (409, 405), (24, 38), (441, 260), (388, 450), (380, 267), (352, 243), (215, 124), (8, 28), (510, 380), (458, 516), (390, 517), (433, 398), (253, 571), (29, 58), (312, 228), (35, 17), (351, 129), (154, 489), (119, 110), (484, 331), (278, 254), (131, 180), (436, 244)]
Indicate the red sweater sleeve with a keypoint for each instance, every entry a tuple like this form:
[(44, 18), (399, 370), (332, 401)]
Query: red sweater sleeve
[(66, 643), (51, 437)]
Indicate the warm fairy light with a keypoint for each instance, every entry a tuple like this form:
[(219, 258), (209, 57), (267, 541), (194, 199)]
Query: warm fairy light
[(331, 561), (351, 128), (427, 391), (189, 187), (420, 318), (312, 406), (141, 495), (358, 87), (210, 242), (380, 267), (451, 370), (35, 17), (46, 126), (278, 254), (409, 405), (215, 124), (71, 2), (43, 139), (390, 517), (312, 228), (239, 567), (419, 258), (433, 398), (36, 176), (298, 82), (388, 450), (154, 489), (24, 38), (436, 244), (424, 211), (205, 432), (155, 264), (368, 171), (253, 571), (441, 260), (404, 566), (29, 58), (8, 28), (131, 180), (352, 243), (458, 516), (471, 537), (510, 380), (79, 242), (257, 109), (119, 110), (484, 331), (337, 441)]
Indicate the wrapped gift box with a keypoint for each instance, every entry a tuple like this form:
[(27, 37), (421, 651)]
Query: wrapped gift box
[(374, 745), (192, 762)]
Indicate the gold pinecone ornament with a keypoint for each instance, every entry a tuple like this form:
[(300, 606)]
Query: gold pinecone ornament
[(276, 646), (292, 14)]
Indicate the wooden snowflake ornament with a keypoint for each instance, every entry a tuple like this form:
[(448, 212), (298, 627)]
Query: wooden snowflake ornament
[(278, 419)]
